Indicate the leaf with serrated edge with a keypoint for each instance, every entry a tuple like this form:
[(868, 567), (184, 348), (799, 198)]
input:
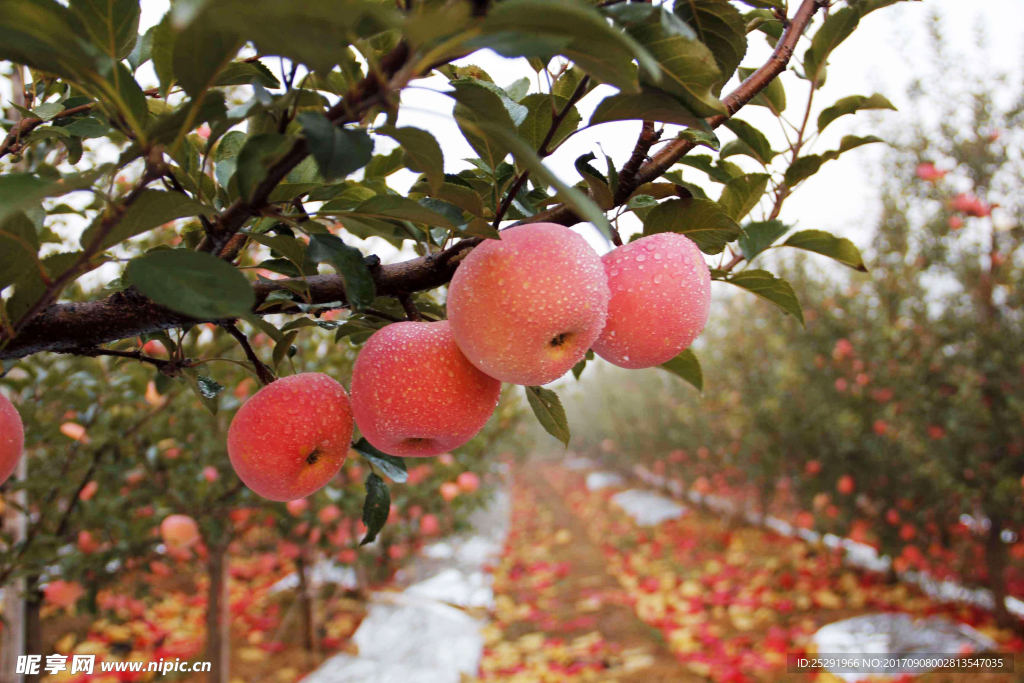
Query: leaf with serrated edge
[(827, 244), (549, 412), (770, 288), (702, 220), (376, 507), (686, 366)]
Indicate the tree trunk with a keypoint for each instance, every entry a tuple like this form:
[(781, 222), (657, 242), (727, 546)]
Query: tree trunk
[(33, 625), (218, 618), (995, 557), (306, 606), (12, 639)]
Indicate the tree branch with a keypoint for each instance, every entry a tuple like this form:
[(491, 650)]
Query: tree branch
[(61, 327), (668, 155), (265, 375)]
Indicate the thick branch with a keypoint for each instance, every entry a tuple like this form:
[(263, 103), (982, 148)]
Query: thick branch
[(74, 326)]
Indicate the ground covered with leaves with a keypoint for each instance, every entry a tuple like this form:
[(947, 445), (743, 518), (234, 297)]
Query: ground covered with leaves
[(582, 593)]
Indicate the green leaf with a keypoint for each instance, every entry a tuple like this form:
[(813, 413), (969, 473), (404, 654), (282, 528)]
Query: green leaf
[(87, 127), (192, 283), (286, 245), (383, 165), (852, 105), (478, 110), (686, 366), (827, 244), (721, 172), (770, 288), (312, 32), (702, 220), (21, 190), (225, 156), (837, 27), (577, 370), (598, 184), (254, 160), (395, 207), (721, 27), (246, 73), (48, 111), (649, 105), (205, 388), (773, 96), (338, 151), (852, 142), (535, 126), (549, 412), (390, 465), (741, 194), (283, 346), (422, 153), (143, 50), (700, 137), (350, 265), (524, 155), (804, 168), (543, 28), (754, 142), (19, 243), (759, 236), (152, 208), (113, 25), (376, 507), (199, 54), (164, 37), (48, 37), (688, 68)]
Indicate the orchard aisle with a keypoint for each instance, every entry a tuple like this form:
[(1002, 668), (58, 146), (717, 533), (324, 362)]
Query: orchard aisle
[(731, 600)]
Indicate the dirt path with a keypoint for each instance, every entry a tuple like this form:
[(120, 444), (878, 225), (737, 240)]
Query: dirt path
[(556, 601)]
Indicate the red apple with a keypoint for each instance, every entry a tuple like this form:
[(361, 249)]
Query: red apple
[(415, 394), (525, 308), (179, 531), (660, 298), (292, 437)]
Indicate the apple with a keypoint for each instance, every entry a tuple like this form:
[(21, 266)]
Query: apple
[(468, 482), (525, 308), (292, 436), (179, 531), (429, 525), (297, 507), (450, 491), (845, 485), (414, 393), (88, 491), (660, 298), (12, 438), (86, 543)]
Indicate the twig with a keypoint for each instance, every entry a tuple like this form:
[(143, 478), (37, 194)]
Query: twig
[(542, 151), (160, 364), (262, 371), (411, 311)]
